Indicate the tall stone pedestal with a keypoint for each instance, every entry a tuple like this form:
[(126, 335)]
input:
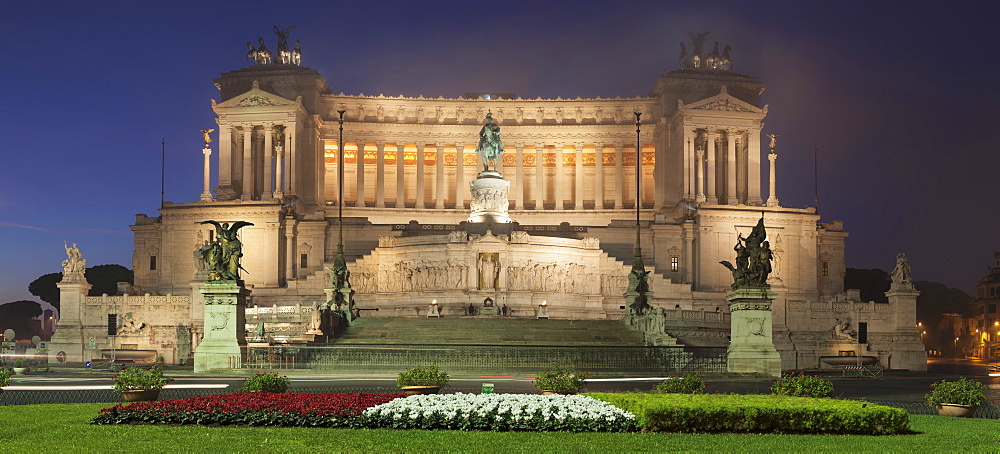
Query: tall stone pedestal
[(68, 337), (908, 350), (489, 201), (751, 347), (225, 326)]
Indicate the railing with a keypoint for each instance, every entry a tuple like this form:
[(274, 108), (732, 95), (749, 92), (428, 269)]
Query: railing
[(504, 360)]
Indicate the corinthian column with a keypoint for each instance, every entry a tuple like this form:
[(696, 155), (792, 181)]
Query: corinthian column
[(206, 195), (560, 180), (380, 174), (578, 184), (247, 193), (539, 177), (420, 175), (265, 157), (599, 176), (400, 188), (772, 199), (460, 189), (712, 146), (519, 176), (731, 198), (699, 180), (359, 201), (439, 177), (619, 177)]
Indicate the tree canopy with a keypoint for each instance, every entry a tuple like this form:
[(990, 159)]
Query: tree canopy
[(18, 316)]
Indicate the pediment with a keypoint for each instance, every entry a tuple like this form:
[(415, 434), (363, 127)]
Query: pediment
[(256, 97), (722, 102)]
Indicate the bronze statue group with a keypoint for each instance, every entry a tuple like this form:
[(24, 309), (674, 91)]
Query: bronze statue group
[(753, 259)]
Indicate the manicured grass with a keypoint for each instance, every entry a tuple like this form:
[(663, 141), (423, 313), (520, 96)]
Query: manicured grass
[(65, 428)]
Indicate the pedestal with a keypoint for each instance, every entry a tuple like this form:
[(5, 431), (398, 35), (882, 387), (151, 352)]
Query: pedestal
[(751, 346), (224, 326), (68, 337), (489, 198), (433, 312)]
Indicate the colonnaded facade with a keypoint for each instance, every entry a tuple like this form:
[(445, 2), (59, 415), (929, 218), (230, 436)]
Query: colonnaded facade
[(571, 168)]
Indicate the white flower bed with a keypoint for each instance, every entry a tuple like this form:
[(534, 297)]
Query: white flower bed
[(500, 412)]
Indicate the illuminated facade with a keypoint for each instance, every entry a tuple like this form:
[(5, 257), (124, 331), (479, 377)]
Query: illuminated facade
[(571, 166), (985, 323)]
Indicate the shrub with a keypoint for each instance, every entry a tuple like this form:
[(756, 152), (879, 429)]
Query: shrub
[(422, 376), (560, 379), (266, 381), (730, 413), (959, 392), (140, 379), (4, 377), (20, 363), (685, 384), (801, 385)]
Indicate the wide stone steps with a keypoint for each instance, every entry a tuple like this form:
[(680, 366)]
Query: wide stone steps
[(489, 330)]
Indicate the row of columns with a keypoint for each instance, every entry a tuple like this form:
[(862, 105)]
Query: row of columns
[(268, 158), (518, 190), (739, 166)]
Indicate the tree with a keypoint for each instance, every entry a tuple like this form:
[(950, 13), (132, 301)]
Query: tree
[(18, 316), (45, 288), (102, 278)]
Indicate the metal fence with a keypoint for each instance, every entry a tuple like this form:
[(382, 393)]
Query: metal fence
[(495, 359)]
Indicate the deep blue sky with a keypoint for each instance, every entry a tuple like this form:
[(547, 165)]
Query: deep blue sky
[(901, 101)]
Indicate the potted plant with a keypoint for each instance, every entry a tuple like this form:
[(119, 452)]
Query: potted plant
[(139, 384), (21, 367), (560, 380), (269, 382), (956, 398), (421, 380)]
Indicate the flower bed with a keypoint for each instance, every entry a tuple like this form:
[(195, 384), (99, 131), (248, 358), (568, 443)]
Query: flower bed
[(250, 409), (500, 412)]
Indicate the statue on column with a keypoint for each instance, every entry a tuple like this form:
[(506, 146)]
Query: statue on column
[(901, 273), (490, 146), (74, 266), (223, 255)]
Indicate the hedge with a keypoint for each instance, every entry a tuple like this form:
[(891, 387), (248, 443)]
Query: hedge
[(731, 413)]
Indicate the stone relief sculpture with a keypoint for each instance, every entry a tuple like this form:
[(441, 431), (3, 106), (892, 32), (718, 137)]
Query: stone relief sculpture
[(74, 265), (753, 259), (200, 253), (223, 255), (490, 146), (841, 330), (901, 273)]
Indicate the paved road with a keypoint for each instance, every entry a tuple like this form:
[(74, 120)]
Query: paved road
[(85, 385)]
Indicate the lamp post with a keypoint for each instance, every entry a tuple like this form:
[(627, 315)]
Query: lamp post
[(339, 264)]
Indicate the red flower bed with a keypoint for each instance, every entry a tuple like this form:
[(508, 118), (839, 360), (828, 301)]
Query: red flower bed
[(253, 409)]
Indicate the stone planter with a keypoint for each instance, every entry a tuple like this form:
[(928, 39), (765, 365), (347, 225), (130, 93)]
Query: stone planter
[(414, 390), (141, 395), (959, 411), (22, 370)]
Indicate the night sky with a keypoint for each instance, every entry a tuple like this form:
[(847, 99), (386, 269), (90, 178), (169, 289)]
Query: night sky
[(900, 101)]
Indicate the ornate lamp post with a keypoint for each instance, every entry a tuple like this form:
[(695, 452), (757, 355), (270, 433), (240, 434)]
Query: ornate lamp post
[(341, 274), (638, 288)]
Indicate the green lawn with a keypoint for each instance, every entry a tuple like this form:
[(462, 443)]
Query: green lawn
[(65, 428)]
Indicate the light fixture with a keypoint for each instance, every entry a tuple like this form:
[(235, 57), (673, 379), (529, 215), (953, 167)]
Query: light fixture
[(544, 303)]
